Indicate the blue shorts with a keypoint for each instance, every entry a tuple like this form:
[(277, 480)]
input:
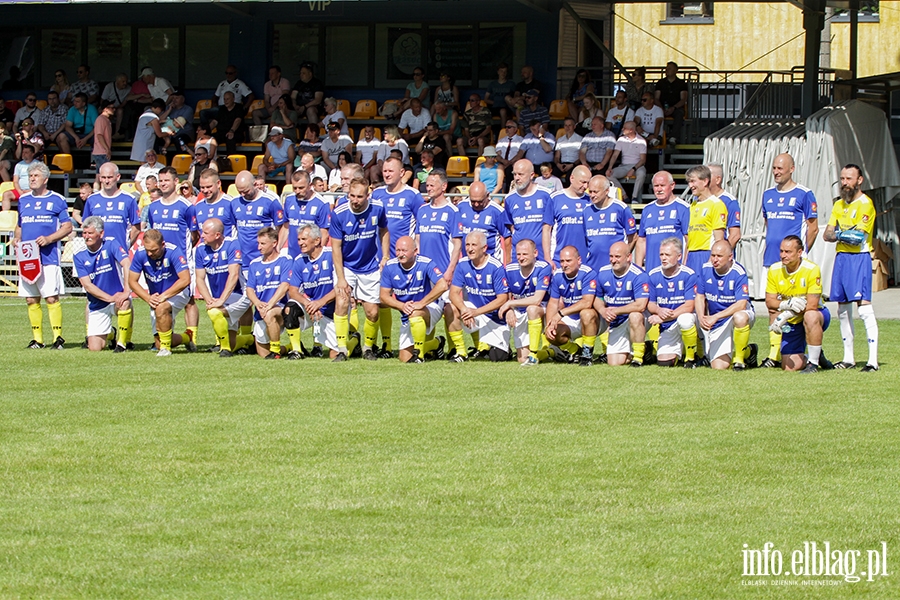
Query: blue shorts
[(794, 341), (279, 171), (851, 279), (696, 259)]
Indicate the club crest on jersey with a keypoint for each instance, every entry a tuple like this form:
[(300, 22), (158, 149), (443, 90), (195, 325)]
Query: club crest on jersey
[(646, 287)]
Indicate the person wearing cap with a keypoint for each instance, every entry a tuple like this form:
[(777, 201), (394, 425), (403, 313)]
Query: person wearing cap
[(477, 127), (533, 110), (157, 87), (279, 156), (489, 172), (414, 118), (335, 143), (517, 99)]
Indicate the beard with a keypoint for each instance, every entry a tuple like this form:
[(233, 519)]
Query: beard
[(848, 192)]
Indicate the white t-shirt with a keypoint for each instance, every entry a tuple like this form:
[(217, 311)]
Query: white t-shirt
[(615, 116), (237, 87), (648, 118), (336, 117), (367, 149)]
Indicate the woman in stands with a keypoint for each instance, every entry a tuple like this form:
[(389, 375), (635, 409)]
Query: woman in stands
[(61, 87), (447, 92), (392, 140), (201, 162), (332, 114), (286, 117), (489, 173), (637, 87), (334, 179), (207, 142), (417, 89), (589, 110), (310, 142), (581, 86)]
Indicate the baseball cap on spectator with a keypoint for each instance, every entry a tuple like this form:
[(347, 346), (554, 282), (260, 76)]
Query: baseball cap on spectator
[(146, 71), (532, 92), (276, 131), (489, 151), (333, 125)]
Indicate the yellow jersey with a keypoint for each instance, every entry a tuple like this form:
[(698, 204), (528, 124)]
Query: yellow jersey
[(807, 279), (858, 214), (706, 216)]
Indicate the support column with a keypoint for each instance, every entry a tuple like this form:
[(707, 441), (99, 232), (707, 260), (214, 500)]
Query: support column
[(813, 23)]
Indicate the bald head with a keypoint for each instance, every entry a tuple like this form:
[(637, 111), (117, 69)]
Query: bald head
[(783, 170), (619, 248), (578, 179), (721, 247), (523, 173), (244, 179)]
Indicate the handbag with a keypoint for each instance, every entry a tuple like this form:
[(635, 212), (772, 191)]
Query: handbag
[(259, 133)]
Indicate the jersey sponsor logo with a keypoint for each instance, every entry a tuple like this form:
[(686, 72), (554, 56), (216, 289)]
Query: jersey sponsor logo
[(646, 287)]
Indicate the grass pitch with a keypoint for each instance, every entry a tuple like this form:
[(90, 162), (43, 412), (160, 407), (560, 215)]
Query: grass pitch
[(128, 476)]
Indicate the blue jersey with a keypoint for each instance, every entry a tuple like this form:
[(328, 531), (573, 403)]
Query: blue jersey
[(216, 263), (436, 227), (528, 215), (786, 214), (481, 286), (603, 227), (672, 292), (43, 215), (722, 291), (265, 277), (621, 290), (250, 217), (413, 284), (571, 290), (360, 235), (102, 267), (521, 286), (315, 278), (659, 222), (302, 212), (221, 210), (119, 214), (160, 274), (400, 208), (174, 221), (734, 209), (566, 213), (492, 220)]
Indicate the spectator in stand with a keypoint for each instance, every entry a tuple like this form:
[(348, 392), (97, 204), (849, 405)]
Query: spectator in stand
[(229, 123), (208, 143), (334, 178), (310, 142), (29, 110), (28, 134), (308, 164), (448, 124), (286, 117), (581, 86), (477, 130), (590, 108), (618, 114), (177, 108), (517, 99), (649, 120), (422, 170), (61, 87), (508, 148), (85, 85), (7, 117), (414, 118), (276, 87), (367, 153), (597, 147), (672, 96), (447, 92), (308, 94), (240, 91), (417, 88), (637, 87), (633, 150), (157, 87), (7, 152), (149, 168), (537, 146), (144, 90), (279, 156), (489, 172), (53, 123), (84, 192), (149, 130), (333, 144), (200, 163), (392, 141), (548, 182), (101, 153), (117, 92), (80, 121), (333, 115), (498, 90), (436, 143), (568, 147), (533, 111), (20, 174)]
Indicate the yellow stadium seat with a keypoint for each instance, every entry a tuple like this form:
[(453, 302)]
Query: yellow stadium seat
[(344, 107), (182, 163), (458, 166), (128, 188), (272, 188), (238, 163), (286, 191), (560, 132), (8, 221), (257, 160), (256, 104), (232, 191), (63, 164), (559, 109), (462, 189), (6, 186), (202, 105), (479, 161), (365, 109), (41, 104)]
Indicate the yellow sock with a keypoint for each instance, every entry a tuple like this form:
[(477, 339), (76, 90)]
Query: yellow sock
[(653, 336), (130, 329), (342, 331), (689, 337), (37, 322), (741, 339), (589, 341), (571, 347), (604, 341), (418, 328), (354, 320), (637, 351), (352, 343), (476, 337), (165, 340), (55, 312), (385, 323), (456, 338), (775, 346), (220, 327), (542, 355), (430, 344), (243, 341), (275, 346), (535, 328), (124, 321), (370, 333), (193, 329)]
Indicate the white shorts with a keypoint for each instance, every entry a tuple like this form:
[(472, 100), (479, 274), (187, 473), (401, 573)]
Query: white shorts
[(178, 303), (261, 332), (670, 341), (574, 326), (323, 330), (490, 332), (236, 306), (99, 322), (435, 312), (49, 284), (365, 288), (719, 341), (619, 339)]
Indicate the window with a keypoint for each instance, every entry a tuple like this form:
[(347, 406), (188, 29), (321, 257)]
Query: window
[(293, 45), (206, 47), (109, 52), (158, 48), (868, 13), (61, 51), (688, 12)]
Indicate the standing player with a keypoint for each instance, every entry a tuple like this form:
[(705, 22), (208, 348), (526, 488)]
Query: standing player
[(254, 209), (570, 310), (267, 288), (527, 208), (794, 295), (851, 226), (672, 290), (359, 244), (724, 310), (667, 216), (731, 203), (709, 218), (437, 231), (119, 210), (622, 306), (168, 287), (215, 204), (43, 218), (218, 271), (302, 207), (480, 213), (98, 270), (607, 220), (528, 280), (566, 216), (413, 285)]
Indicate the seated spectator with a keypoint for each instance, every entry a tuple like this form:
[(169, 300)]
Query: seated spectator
[(28, 134), (533, 111), (334, 178), (147, 88), (417, 88), (333, 144), (590, 108), (633, 150), (208, 143), (117, 92), (61, 87), (310, 143), (672, 96), (149, 131), (178, 109), (333, 115), (517, 99), (53, 123), (319, 185), (448, 123), (229, 123), (20, 176), (7, 117), (619, 113), (508, 147), (276, 87), (186, 191), (279, 156), (157, 87), (538, 145), (308, 94), (414, 118), (568, 148), (581, 86), (597, 147), (392, 140), (200, 163), (477, 128), (490, 173), (548, 182), (637, 87), (7, 153), (240, 91), (367, 153), (435, 142), (85, 85), (649, 120), (447, 92), (286, 117), (497, 92), (308, 164), (422, 170), (28, 111), (149, 168), (80, 121)]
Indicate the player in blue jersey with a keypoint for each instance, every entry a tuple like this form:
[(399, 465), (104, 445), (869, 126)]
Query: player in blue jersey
[(527, 208), (215, 204), (724, 310), (359, 243), (302, 207), (624, 293), (717, 176), (254, 209), (119, 210), (478, 291), (565, 216), (401, 204), (607, 220), (267, 288), (528, 280), (480, 213), (44, 219), (413, 285), (99, 268), (437, 232), (168, 287), (673, 287), (217, 265), (667, 216), (570, 310)]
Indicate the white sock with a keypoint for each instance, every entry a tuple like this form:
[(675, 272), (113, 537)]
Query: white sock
[(845, 316), (867, 314), (814, 353)]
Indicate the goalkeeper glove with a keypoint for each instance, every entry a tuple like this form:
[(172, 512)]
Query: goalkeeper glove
[(797, 304), (854, 237), (785, 304), (781, 321)]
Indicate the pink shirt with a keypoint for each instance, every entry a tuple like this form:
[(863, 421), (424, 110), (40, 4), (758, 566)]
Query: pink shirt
[(274, 92), (102, 137)]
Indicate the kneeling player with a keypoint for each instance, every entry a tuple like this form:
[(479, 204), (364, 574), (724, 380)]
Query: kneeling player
[(570, 311), (98, 271), (267, 287), (413, 285), (794, 293), (724, 310), (483, 279), (528, 279), (622, 306), (672, 290), (168, 279)]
